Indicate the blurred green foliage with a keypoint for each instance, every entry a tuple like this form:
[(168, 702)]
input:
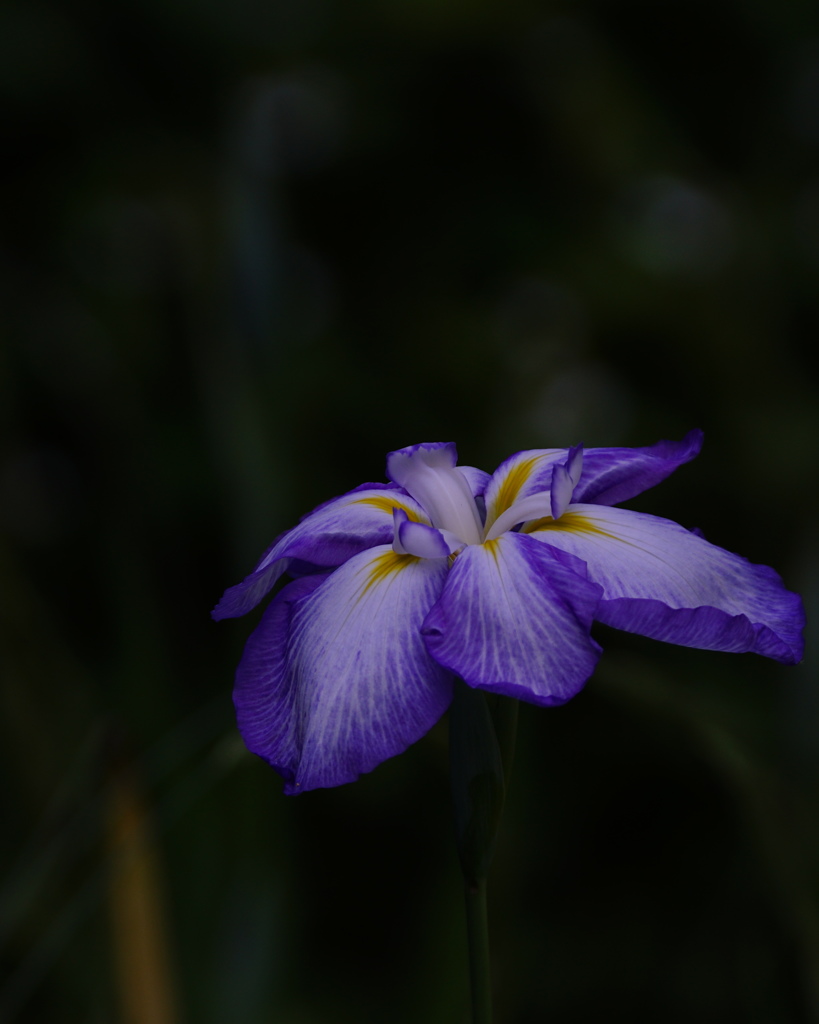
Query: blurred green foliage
[(246, 250)]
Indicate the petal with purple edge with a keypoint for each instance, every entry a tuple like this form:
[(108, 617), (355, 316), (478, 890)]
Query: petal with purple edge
[(518, 477), (341, 680), (264, 691), (662, 581), (561, 490), (428, 472), (477, 479), (421, 540), (325, 538), (534, 506), (513, 622), (564, 480), (614, 475), (609, 475)]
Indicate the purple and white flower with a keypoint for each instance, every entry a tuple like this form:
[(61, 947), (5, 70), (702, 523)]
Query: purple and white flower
[(446, 571)]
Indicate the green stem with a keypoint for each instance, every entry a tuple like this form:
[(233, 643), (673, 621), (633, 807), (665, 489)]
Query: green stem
[(504, 713), (478, 935), (481, 742)]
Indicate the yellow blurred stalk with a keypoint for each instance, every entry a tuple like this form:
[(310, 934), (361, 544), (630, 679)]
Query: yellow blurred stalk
[(140, 941)]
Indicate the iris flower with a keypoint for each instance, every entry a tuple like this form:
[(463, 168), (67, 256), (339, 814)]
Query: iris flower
[(449, 572)]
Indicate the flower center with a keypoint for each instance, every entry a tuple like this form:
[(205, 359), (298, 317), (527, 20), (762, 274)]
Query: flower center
[(429, 473)]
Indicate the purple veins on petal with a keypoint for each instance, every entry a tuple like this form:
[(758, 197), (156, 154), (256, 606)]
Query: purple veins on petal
[(609, 475), (447, 570), (512, 621), (264, 691), (323, 539), (613, 475), (340, 680), (655, 573)]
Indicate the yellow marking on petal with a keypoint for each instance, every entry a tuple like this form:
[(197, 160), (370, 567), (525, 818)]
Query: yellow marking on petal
[(510, 488), (574, 522), (387, 505), (492, 547), (385, 565)]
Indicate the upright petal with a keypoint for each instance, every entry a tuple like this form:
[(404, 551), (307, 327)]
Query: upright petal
[(429, 473), (325, 538), (513, 622), (339, 680), (533, 504), (518, 477), (477, 479), (665, 582), (565, 477), (609, 476)]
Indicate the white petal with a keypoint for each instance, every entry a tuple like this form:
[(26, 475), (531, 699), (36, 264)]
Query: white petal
[(335, 685), (661, 580)]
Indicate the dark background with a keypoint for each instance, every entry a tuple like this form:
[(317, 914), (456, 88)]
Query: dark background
[(245, 250)]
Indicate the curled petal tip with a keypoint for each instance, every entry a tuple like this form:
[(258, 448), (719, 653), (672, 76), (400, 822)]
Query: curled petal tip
[(435, 454), (417, 539)]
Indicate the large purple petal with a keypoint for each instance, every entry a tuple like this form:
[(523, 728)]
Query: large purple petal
[(336, 678), (663, 581), (325, 538), (264, 691), (514, 622), (614, 475)]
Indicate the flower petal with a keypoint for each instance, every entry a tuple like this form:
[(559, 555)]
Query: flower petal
[(518, 477), (264, 691), (534, 506), (565, 477), (513, 622), (336, 678), (609, 476), (421, 540), (476, 478), (428, 472), (662, 581), (325, 538), (613, 475)]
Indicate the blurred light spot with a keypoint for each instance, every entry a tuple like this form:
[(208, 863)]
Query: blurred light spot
[(558, 394), (280, 126), (583, 403), (668, 227), (540, 321), (293, 122)]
